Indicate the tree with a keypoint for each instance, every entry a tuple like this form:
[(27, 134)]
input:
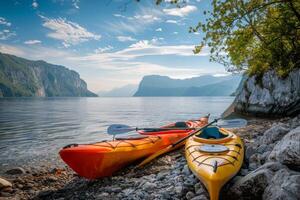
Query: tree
[(253, 35)]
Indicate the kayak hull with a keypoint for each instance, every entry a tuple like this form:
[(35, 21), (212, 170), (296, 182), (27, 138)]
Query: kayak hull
[(215, 161), (105, 158)]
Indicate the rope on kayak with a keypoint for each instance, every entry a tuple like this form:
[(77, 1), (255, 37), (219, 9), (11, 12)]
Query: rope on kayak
[(148, 140), (213, 155)]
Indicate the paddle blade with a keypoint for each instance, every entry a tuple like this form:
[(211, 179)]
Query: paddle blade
[(155, 155), (116, 129), (232, 123)]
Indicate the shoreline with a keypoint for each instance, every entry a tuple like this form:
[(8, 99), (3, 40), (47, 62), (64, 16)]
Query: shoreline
[(167, 177)]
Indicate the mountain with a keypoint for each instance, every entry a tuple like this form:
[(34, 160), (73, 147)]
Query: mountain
[(125, 91), (20, 77), (207, 85)]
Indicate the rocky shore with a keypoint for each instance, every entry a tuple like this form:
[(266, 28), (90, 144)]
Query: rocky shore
[(271, 170)]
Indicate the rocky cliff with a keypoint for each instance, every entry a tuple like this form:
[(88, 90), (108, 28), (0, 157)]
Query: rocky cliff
[(270, 95), (24, 78)]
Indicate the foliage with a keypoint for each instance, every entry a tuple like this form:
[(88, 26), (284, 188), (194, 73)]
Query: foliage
[(253, 35)]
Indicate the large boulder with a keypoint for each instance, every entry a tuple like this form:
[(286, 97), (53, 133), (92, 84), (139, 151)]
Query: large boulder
[(270, 95), (284, 185), (287, 151), (251, 186), (274, 134)]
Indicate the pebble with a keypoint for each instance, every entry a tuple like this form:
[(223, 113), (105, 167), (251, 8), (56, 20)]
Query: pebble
[(189, 195), (16, 171), (4, 183)]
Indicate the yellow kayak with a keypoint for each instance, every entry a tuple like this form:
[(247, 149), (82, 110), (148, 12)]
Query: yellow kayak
[(214, 155)]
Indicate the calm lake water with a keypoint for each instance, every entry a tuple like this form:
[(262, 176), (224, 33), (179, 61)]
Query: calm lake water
[(39, 127)]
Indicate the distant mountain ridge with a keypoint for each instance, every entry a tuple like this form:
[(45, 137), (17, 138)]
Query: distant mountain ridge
[(208, 85), (20, 77), (125, 91)]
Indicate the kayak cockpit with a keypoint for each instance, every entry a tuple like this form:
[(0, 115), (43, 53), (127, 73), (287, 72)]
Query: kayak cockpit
[(211, 133)]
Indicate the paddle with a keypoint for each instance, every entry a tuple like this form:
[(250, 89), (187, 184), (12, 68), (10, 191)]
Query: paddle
[(227, 123), (116, 129)]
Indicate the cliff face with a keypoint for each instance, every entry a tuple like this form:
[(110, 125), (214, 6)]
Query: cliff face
[(208, 85), (272, 96), (20, 77)]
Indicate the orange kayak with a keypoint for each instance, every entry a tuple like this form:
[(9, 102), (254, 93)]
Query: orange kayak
[(104, 158)]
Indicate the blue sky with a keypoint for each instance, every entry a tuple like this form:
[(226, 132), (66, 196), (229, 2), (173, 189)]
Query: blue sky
[(110, 43)]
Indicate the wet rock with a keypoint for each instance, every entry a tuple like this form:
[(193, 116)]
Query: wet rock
[(189, 195), (284, 185), (16, 171), (287, 151), (251, 186), (275, 133), (4, 183)]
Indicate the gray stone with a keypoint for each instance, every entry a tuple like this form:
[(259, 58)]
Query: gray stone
[(251, 186), (128, 191), (15, 171), (284, 185), (115, 189), (200, 197), (189, 195), (149, 186), (4, 183), (287, 151), (179, 189), (186, 170), (275, 133)]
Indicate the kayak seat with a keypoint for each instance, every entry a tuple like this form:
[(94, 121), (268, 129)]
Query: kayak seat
[(181, 125), (211, 133)]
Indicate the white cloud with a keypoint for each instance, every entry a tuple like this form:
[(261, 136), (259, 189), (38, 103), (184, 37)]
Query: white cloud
[(3, 21), (34, 4), (6, 34), (196, 33), (125, 38), (180, 12), (175, 33), (68, 32), (119, 15), (104, 49), (158, 29), (170, 21), (30, 42), (145, 16)]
